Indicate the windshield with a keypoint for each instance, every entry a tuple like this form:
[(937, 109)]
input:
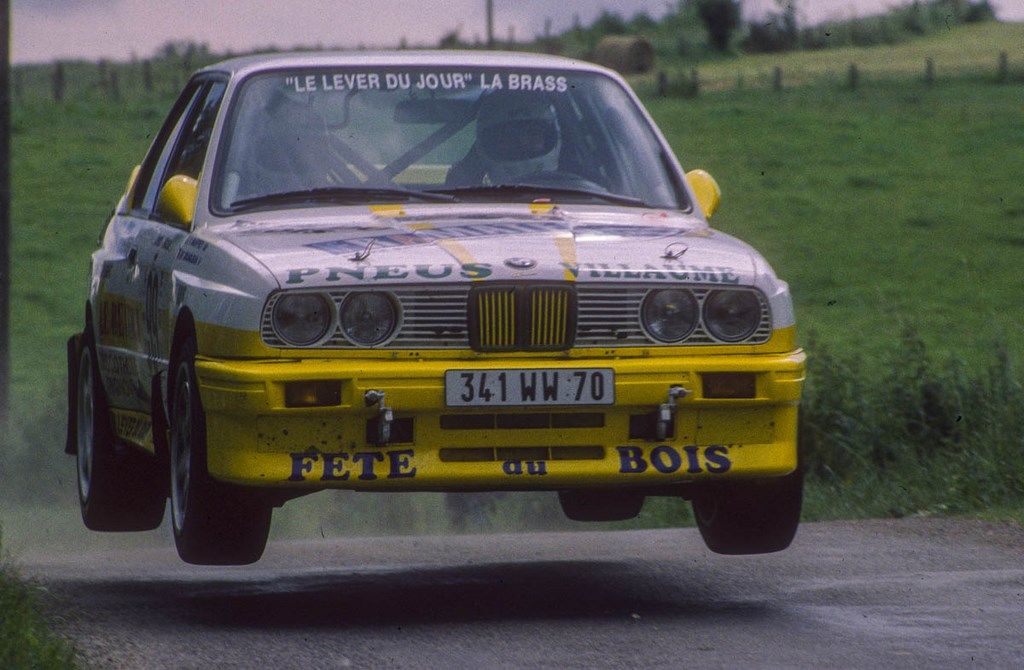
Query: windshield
[(348, 135)]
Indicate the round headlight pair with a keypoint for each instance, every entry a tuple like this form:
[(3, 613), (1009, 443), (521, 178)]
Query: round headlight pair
[(670, 315), (367, 318)]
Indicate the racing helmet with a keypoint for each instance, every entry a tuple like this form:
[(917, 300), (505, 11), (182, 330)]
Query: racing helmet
[(517, 134)]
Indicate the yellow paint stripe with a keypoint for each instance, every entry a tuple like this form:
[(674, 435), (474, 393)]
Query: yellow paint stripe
[(421, 226), (567, 250), (457, 251), (541, 207), (387, 211)]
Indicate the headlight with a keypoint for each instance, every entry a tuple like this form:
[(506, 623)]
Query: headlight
[(669, 315), (368, 317), (732, 316), (302, 319)]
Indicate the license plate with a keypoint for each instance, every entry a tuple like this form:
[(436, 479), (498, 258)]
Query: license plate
[(518, 387)]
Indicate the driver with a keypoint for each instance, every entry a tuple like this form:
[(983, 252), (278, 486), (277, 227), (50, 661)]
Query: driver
[(517, 135)]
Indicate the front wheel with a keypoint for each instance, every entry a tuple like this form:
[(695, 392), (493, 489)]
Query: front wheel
[(214, 523), (756, 517)]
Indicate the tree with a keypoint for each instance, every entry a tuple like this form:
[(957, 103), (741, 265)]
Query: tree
[(721, 18)]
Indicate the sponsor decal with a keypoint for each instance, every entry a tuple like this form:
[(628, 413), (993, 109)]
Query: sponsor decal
[(515, 467), (120, 374), (431, 235), (685, 273), (192, 251), (633, 232), (391, 272), (313, 465), (163, 242), (692, 459), (120, 321), (478, 271), (418, 80)]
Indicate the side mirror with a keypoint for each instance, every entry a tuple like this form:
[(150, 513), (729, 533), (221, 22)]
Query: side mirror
[(704, 186), (176, 203)]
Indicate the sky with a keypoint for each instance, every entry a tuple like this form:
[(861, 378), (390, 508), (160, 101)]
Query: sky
[(45, 30)]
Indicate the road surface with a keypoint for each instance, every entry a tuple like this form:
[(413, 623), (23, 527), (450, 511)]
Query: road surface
[(907, 593)]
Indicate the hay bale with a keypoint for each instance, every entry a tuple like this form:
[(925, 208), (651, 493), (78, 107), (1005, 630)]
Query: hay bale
[(626, 54)]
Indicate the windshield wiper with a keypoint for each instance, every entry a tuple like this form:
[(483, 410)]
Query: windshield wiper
[(344, 194), (539, 189)]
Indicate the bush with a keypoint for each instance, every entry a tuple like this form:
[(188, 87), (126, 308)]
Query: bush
[(778, 32), (914, 21), (450, 40), (945, 438), (608, 23), (978, 12), (720, 18)]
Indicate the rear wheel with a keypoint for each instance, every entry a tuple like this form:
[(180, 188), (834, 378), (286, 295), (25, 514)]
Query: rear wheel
[(601, 505), (750, 517), (119, 487), (214, 523)]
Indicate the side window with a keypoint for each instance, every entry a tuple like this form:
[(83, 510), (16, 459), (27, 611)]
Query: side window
[(156, 159), (191, 150)]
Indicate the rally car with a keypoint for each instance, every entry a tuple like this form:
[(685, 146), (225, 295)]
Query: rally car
[(426, 272)]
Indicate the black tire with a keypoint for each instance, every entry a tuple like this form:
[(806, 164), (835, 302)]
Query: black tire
[(607, 505), (119, 487), (756, 517), (214, 523)]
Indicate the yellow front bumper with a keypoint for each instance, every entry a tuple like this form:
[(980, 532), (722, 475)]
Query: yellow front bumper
[(254, 439)]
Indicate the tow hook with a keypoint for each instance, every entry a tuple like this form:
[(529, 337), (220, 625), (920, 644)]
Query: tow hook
[(385, 416), (667, 409)]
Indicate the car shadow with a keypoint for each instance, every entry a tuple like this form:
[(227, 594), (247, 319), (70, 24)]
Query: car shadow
[(520, 590)]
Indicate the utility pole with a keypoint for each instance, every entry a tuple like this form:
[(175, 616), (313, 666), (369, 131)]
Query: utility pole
[(5, 212), (490, 24)]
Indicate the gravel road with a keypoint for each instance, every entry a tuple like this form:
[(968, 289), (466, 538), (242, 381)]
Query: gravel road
[(907, 593)]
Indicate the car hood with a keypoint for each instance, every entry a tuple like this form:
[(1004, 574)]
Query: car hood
[(443, 245)]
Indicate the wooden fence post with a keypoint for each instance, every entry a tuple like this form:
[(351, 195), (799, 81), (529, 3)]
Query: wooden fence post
[(929, 71), (101, 74), (854, 76), (58, 82), (114, 87), (661, 84), (147, 75), (777, 78), (1004, 68)]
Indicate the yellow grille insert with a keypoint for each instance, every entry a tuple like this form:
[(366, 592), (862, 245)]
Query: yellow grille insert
[(497, 311), (549, 320), (522, 318)]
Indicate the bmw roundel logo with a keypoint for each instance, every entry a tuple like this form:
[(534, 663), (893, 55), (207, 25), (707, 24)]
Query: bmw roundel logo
[(520, 263)]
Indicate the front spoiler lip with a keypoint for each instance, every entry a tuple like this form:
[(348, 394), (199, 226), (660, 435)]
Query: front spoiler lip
[(257, 441)]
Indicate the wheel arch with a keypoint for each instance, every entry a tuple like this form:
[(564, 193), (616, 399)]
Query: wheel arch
[(184, 328), (160, 403)]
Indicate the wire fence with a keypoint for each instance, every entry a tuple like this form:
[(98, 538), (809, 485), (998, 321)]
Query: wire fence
[(68, 81), (691, 82)]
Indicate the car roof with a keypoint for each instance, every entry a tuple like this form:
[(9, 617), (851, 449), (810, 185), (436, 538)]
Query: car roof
[(246, 65)]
